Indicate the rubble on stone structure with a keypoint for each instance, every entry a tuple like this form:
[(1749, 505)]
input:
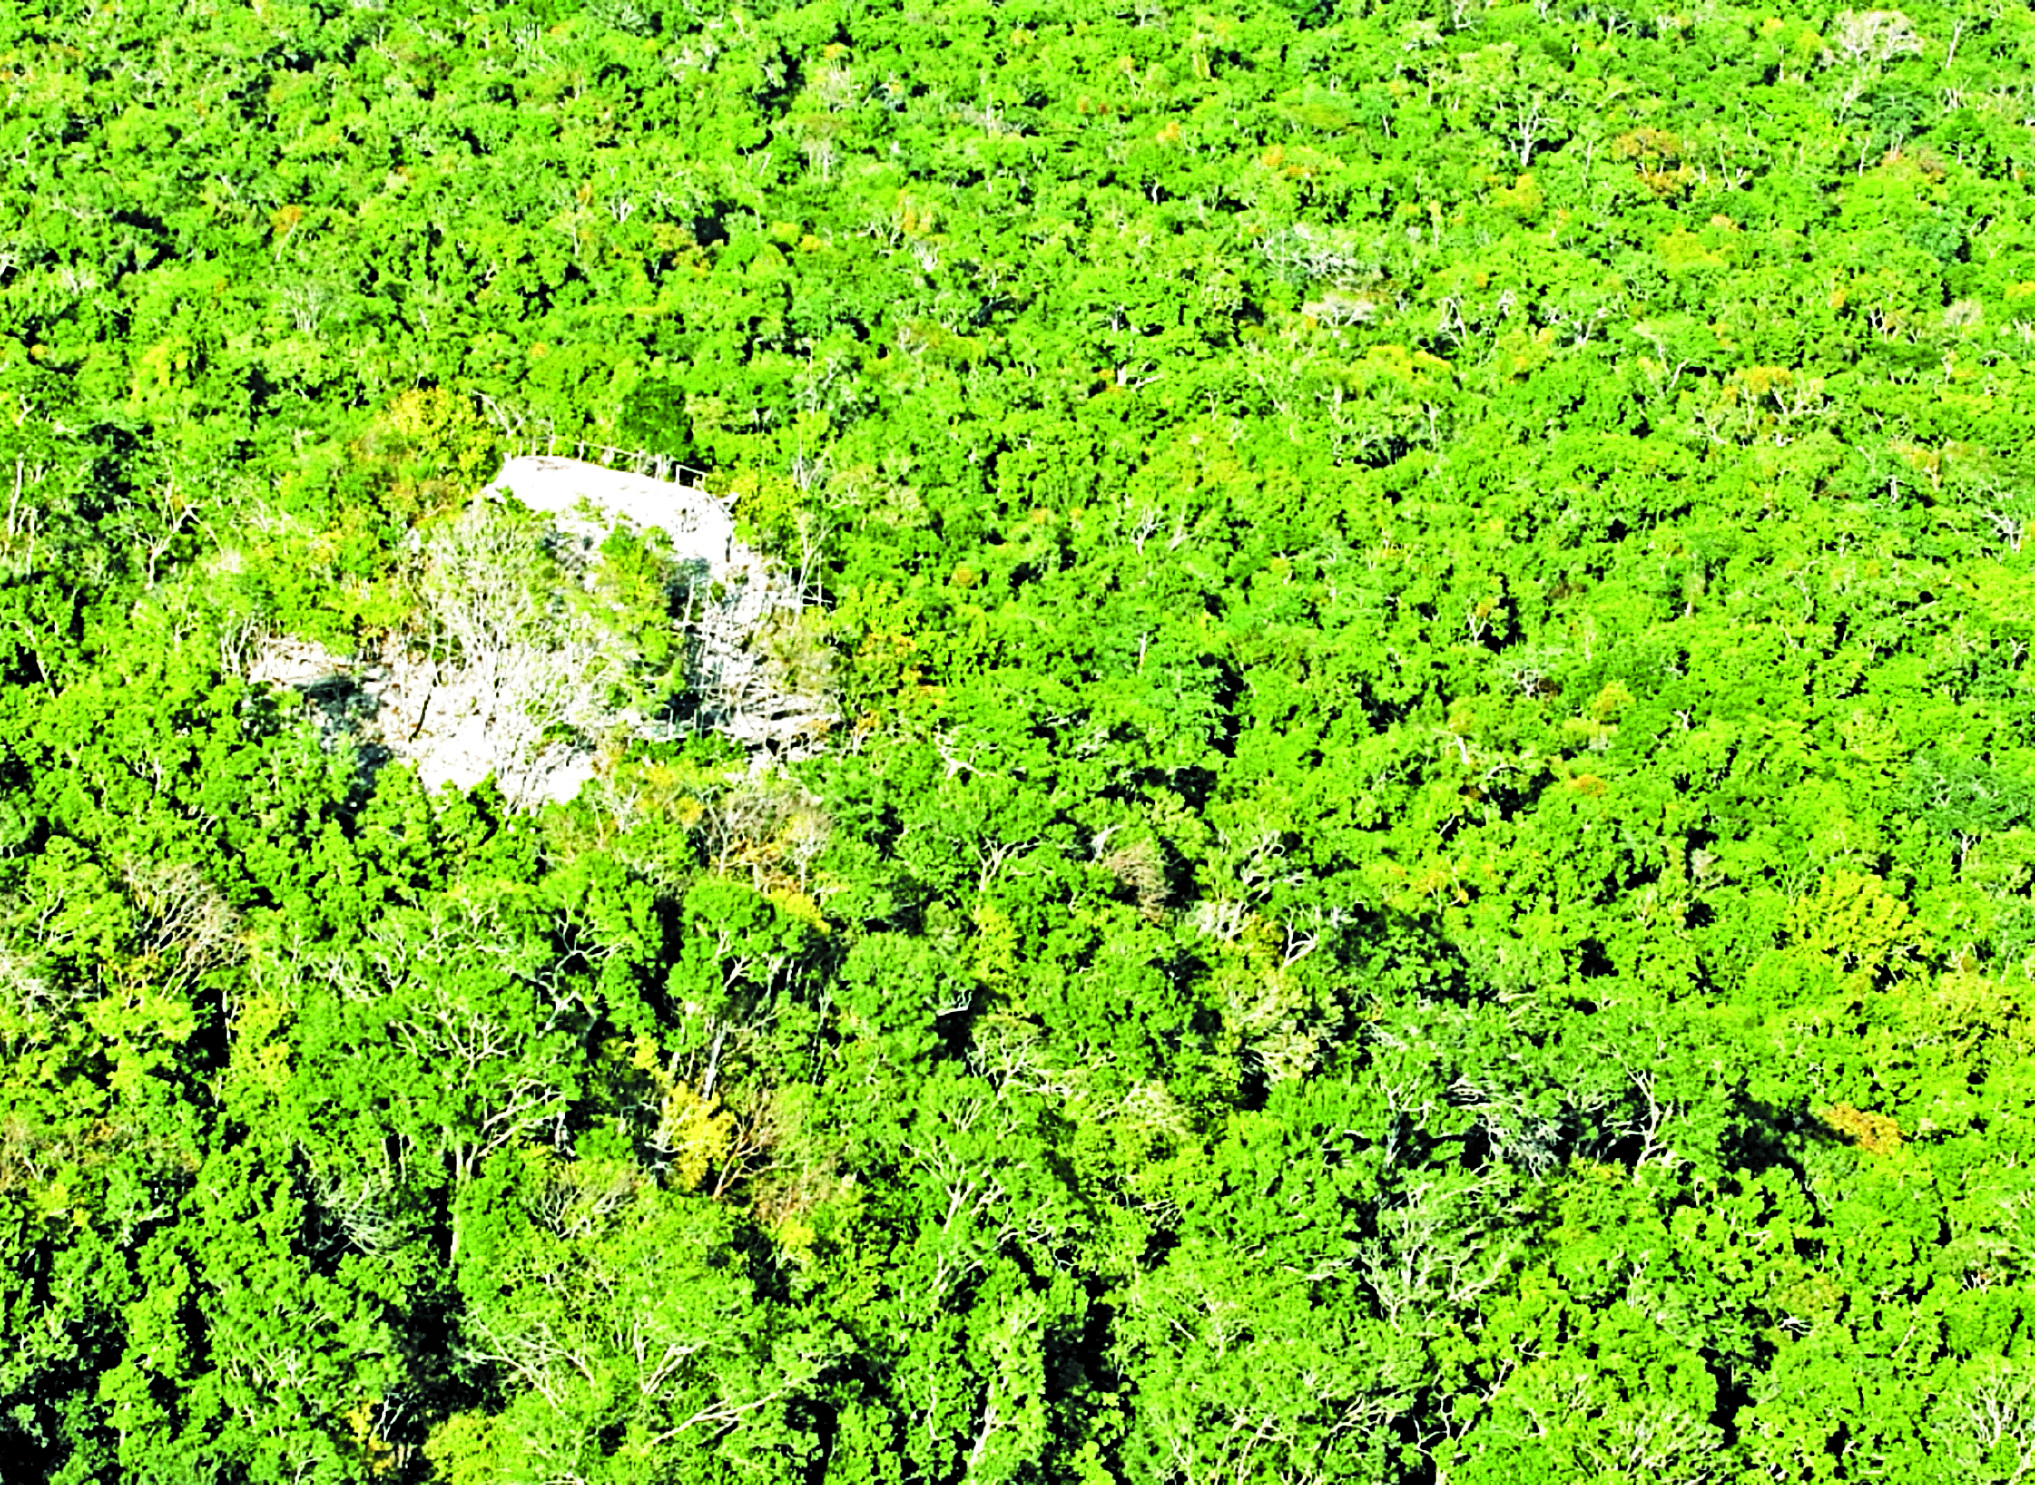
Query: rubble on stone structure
[(533, 715)]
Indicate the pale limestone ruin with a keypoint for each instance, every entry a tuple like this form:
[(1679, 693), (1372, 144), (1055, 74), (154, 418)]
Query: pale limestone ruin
[(533, 715), (700, 526)]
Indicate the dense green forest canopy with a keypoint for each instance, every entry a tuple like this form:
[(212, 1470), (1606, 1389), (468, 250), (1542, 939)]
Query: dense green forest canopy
[(1425, 872)]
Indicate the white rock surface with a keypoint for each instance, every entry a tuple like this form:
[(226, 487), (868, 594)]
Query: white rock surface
[(701, 526), (459, 725)]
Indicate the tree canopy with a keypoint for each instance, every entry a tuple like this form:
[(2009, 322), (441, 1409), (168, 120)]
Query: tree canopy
[(1425, 869)]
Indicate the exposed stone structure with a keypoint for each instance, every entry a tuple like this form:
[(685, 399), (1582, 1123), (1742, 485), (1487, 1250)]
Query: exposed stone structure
[(701, 527), (459, 724)]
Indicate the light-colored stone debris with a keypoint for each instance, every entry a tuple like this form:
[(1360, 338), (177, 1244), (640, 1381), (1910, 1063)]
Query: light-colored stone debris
[(584, 499), (531, 718)]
